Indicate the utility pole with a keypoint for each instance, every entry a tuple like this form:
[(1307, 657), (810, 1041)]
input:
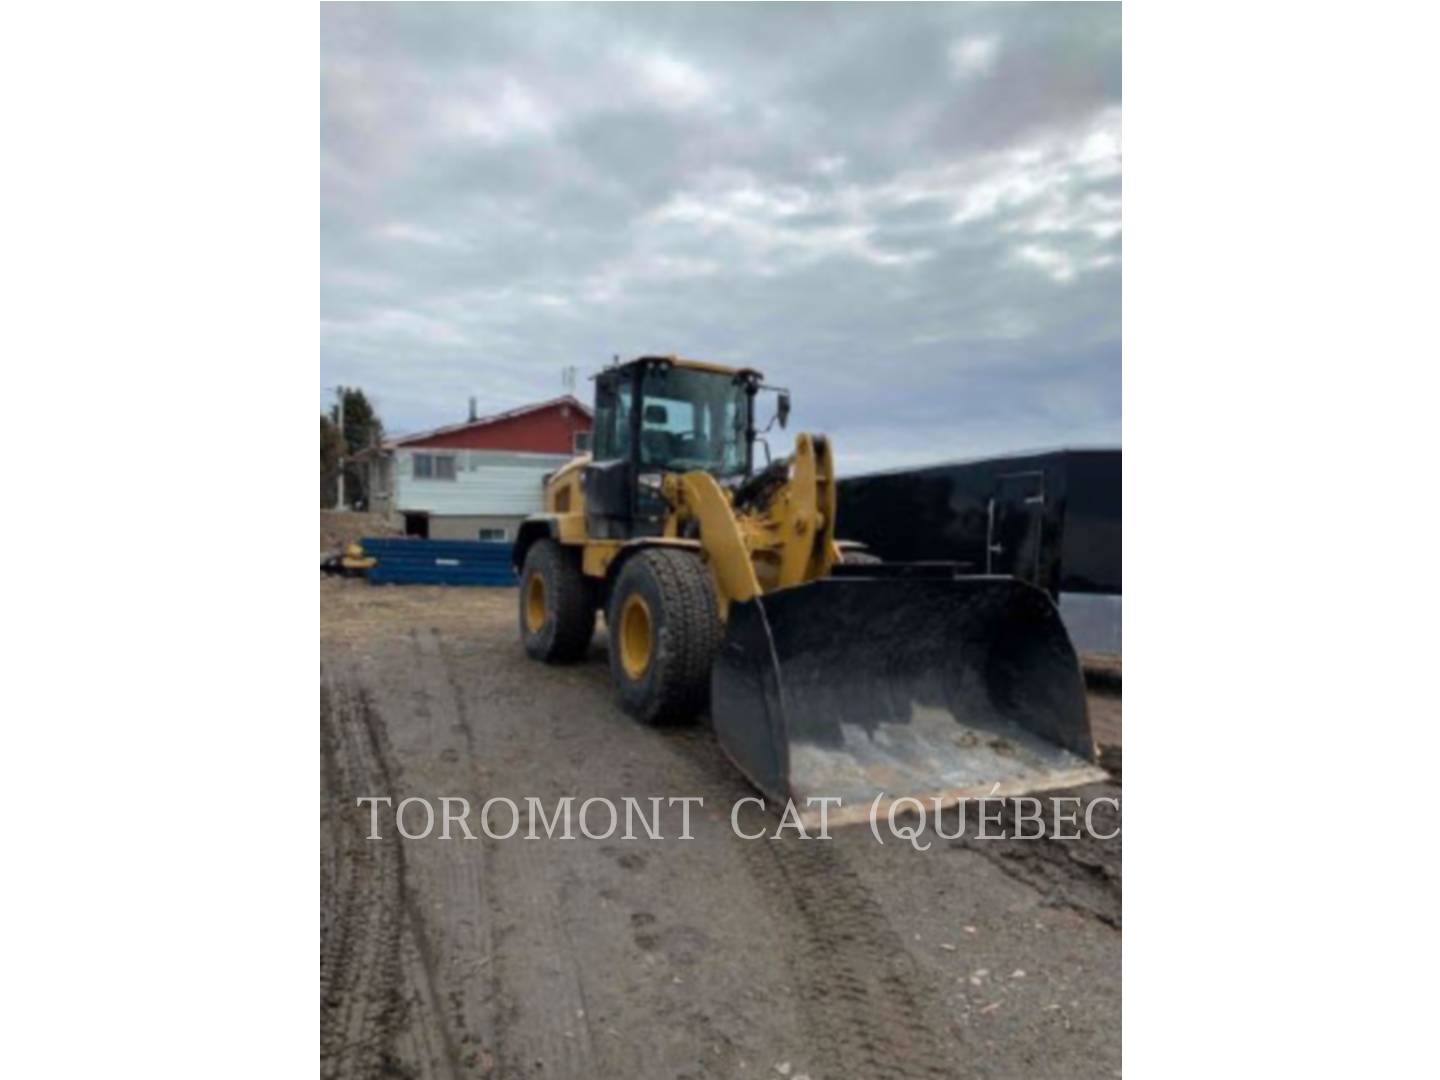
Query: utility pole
[(340, 421)]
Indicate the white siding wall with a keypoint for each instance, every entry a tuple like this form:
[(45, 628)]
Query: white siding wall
[(486, 482)]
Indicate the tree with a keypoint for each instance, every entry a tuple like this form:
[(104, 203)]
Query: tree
[(363, 430), (362, 427), (332, 448)]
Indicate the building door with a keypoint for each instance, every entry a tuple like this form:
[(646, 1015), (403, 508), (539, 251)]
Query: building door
[(1016, 512)]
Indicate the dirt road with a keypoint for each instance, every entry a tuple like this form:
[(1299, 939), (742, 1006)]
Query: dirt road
[(709, 957)]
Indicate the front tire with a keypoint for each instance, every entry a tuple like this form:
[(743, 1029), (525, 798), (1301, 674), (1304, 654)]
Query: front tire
[(557, 618), (664, 633)]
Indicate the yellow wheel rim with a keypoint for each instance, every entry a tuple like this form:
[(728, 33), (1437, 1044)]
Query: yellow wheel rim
[(535, 603), (636, 640)]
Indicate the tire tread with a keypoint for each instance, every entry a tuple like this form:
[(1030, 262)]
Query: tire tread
[(573, 608), (691, 633)]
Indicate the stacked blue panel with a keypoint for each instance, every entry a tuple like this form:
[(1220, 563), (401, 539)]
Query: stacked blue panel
[(406, 561)]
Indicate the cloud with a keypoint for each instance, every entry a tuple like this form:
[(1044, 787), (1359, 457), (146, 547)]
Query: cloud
[(912, 219), (510, 112), (971, 56), (672, 82), (408, 233)]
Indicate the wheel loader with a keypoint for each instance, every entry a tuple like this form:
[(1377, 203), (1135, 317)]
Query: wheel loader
[(827, 672)]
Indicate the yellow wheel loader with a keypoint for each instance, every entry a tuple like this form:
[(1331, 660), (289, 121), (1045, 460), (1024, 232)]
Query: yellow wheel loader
[(827, 672)]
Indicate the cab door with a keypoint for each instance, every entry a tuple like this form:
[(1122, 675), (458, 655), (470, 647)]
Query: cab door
[(609, 478)]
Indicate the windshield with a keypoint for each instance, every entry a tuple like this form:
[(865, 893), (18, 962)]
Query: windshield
[(693, 420)]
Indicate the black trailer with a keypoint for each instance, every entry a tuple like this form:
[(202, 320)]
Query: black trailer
[(1050, 518)]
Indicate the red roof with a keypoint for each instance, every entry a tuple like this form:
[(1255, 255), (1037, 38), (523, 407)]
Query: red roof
[(546, 427)]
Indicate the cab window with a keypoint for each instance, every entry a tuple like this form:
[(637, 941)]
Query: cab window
[(613, 398)]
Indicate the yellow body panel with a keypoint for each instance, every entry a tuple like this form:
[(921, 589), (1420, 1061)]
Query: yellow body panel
[(724, 543), (565, 499), (595, 560), (790, 541), (704, 365)]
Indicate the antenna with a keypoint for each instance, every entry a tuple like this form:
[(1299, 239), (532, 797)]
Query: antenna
[(567, 378), (340, 423)]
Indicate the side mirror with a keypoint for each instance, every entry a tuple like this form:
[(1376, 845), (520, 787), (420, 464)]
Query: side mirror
[(783, 408)]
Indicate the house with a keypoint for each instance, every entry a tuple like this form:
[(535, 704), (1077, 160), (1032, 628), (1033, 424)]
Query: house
[(476, 480), (1051, 518)]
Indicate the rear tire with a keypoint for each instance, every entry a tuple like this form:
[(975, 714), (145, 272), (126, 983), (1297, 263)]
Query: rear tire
[(664, 633), (557, 617)]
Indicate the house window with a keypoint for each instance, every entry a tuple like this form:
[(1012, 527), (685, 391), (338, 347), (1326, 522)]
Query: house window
[(434, 467), (493, 534)]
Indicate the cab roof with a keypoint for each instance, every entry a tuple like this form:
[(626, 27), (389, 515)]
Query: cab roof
[(694, 365)]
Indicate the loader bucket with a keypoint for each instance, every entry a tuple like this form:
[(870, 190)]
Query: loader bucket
[(860, 687)]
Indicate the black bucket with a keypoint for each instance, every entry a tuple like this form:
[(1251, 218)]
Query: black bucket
[(882, 686)]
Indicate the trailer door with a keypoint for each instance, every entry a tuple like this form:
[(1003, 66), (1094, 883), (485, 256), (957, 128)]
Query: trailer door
[(1016, 511)]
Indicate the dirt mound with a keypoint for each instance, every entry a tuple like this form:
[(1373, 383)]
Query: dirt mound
[(341, 527)]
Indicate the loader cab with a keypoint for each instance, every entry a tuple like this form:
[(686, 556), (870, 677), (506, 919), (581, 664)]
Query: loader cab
[(662, 414)]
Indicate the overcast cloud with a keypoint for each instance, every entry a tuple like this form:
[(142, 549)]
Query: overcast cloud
[(908, 214)]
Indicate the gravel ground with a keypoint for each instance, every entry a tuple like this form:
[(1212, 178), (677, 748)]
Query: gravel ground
[(708, 957)]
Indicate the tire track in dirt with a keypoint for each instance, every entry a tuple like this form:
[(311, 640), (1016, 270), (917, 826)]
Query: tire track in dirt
[(866, 1004), (378, 992), (536, 964), (556, 970), (362, 996), (446, 881), (865, 1001)]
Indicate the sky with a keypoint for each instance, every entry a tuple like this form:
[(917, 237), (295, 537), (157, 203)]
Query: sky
[(909, 215)]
